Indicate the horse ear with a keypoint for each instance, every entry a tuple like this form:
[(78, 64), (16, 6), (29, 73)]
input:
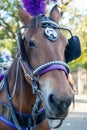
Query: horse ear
[(24, 16), (54, 14)]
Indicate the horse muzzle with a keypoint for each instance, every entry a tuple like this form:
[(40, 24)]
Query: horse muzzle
[(57, 108)]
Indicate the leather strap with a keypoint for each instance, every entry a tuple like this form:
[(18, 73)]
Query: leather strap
[(25, 120)]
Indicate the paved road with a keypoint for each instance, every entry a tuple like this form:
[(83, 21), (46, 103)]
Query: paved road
[(77, 118)]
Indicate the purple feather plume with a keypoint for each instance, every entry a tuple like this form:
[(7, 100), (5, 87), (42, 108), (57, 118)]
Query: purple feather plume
[(35, 7)]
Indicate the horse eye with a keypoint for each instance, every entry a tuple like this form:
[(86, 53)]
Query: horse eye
[(31, 44)]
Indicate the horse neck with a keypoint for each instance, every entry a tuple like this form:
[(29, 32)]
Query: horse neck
[(23, 99)]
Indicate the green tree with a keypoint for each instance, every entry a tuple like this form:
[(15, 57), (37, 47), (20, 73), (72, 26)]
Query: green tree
[(77, 22), (82, 33), (9, 24)]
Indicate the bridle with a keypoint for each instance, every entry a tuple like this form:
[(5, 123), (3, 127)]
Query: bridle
[(33, 74)]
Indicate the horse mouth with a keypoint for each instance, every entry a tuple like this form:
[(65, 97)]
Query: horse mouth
[(59, 117), (56, 116)]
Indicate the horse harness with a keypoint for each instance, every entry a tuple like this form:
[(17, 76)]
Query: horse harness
[(30, 121)]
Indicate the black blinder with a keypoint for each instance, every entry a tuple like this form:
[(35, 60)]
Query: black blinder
[(73, 49)]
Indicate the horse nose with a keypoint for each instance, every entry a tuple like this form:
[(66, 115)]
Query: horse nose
[(59, 105)]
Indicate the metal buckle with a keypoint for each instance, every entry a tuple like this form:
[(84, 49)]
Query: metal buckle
[(51, 34)]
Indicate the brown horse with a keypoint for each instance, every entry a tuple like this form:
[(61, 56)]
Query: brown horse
[(36, 87)]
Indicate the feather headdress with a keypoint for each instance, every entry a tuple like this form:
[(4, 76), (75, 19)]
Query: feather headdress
[(35, 7)]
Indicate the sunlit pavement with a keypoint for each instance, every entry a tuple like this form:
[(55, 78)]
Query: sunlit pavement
[(77, 118)]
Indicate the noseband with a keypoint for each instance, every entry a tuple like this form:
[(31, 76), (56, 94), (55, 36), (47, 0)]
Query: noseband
[(33, 74)]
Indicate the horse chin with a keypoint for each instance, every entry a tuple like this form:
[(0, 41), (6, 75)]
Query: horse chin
[(55, 122)]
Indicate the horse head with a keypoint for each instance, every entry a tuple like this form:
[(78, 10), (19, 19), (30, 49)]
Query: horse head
[(43, 46)]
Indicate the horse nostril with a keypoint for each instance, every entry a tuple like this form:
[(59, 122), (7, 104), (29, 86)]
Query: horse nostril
[(58, 104), (53, 100), (64, 105)]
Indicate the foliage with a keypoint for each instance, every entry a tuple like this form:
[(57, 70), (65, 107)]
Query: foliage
[(80, 30), (76, 21), (8, 24)]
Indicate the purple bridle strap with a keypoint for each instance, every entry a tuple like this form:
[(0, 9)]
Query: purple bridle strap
[(53, 67)]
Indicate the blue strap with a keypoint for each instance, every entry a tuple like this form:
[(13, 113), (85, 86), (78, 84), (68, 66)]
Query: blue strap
[(9, 123), (41, 117)]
